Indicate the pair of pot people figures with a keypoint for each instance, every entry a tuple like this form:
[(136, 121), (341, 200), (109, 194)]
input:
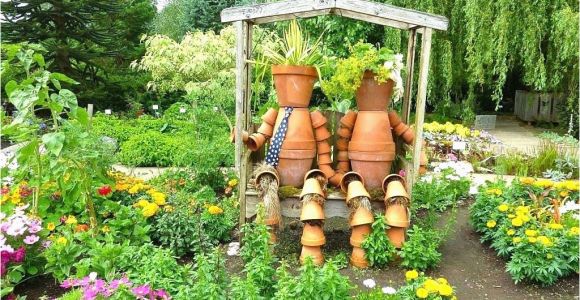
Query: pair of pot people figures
[(366, 151)]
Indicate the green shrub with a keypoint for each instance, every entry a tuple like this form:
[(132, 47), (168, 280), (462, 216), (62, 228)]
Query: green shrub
[(420, 251), (439, 191), (379, 251), (153, 148), (173, 112)]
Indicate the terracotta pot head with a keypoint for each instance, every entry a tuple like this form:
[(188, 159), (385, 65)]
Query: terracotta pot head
[(312, 211), (397, 215), (362, 216), (267, 172), (270, 116), (311, 186), (312, 235), (294, 84), (314, 252), (348, 177), (356, 189)]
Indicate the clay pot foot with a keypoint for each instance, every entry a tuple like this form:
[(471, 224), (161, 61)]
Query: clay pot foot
[(312, 235), (359, 234), (397, 236), (357, 258), (314, 252)]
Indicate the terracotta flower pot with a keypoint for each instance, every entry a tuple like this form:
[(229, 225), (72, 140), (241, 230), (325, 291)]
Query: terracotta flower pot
[(313, 174), (267, 172), (359, 234), (348, 177), (356, 189), (408, 136), (400, 129), (396, 188), (311, 186), (312, 211), (397, 236), (270, 116), (299, 133), (266, 129), (313, 251), (357, 258), (373, 96), (373, 166), (324, 159), (361, 216), (371, 147), (322, 147), (245, 136), (343, 166), (256, 141), (349, 119), (372, 127), (393, 177), (312, 235), (317, 119), (342, 144), (344, 132), (394, 119), (397, 215), (336, 178), (342, 156), (293, 165), (326, 169), (321, 133), (294, 84)]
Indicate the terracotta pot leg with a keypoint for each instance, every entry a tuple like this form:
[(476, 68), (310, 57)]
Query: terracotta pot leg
[(313, 217)]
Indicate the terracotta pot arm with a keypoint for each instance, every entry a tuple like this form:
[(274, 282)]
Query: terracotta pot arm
[(401, 129), (256, 141)]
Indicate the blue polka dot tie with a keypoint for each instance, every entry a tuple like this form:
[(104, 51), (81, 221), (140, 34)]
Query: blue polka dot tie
[(273, 154)]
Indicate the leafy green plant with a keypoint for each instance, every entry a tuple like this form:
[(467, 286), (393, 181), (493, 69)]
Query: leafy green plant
[(349, 72), (318, 283), (255, 238), (379, 251), (210, 276), (294, 48), (420, 251), (439, 191)]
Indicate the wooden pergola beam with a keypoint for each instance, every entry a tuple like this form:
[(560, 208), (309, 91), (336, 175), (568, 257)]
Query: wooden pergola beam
[(368, 11)]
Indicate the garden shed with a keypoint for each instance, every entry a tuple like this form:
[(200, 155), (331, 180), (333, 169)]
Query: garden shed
[(245, 17)]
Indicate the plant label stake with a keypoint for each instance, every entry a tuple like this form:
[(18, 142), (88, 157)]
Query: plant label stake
[(108, 111)]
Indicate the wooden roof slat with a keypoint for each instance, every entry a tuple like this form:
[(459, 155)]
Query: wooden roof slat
[(373, 12)]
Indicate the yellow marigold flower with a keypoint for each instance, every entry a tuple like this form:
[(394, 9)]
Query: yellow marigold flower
[(544, 240), (106, 228), (445, 290), (412, 274), (475, 133), (544, 183), (525, 218), (549, 256), (555, 226), (431, 285), (422, 293), (215, 210), (574, 230), (134, 189), (442, 280), (559, 185), (151, 191), (531, 232), (142, 203), (50, 226), (517, 222), (233, 182), (522, 209), (532, 240), (516, 240), (491, 224), (511, 232), (150, 210), (121, 187), (511, 216), (61, 240), (15, 198), (527, 180), (564, 194), (71, 220), (503, 207), (159, 198), (572, 185), (168, 208)]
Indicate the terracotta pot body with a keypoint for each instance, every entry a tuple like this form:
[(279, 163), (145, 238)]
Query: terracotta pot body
[(314, 252), (312, 235), (294, 84), (373, 96), (298, 148), (397, 236), (396, 215), (312, 211), (371, 149), (359, 234), (357, 258)]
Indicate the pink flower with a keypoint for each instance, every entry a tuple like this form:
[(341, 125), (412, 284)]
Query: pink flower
[(18, 255), (31, 239), (68, 283), (141, 291), (402, 173), (46, 244), (162, 294), (5, 256), (16, 227)]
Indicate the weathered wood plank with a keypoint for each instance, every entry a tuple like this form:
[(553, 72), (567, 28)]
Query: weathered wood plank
[(411, 45), (335, 205), (358, 9), (420, 107)]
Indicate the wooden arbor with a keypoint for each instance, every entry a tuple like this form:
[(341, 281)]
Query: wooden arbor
[(244, 17)]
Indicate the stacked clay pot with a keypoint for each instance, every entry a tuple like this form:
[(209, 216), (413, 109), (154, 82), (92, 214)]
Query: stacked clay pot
[(360, 221), (272, 219), (396, 212), (371, 149), (408, 135), (312, 216)]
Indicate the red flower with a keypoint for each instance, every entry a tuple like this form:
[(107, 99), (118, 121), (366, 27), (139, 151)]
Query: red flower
[(104, 190)]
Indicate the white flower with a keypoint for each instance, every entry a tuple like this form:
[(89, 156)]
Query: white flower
[(370, 283), (389, 290), (389, 65), (399, 58), (93, 276)]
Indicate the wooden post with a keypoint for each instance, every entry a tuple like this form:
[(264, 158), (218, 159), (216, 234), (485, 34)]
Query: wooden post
[(420, 107), (243, 113), (406, 111)]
